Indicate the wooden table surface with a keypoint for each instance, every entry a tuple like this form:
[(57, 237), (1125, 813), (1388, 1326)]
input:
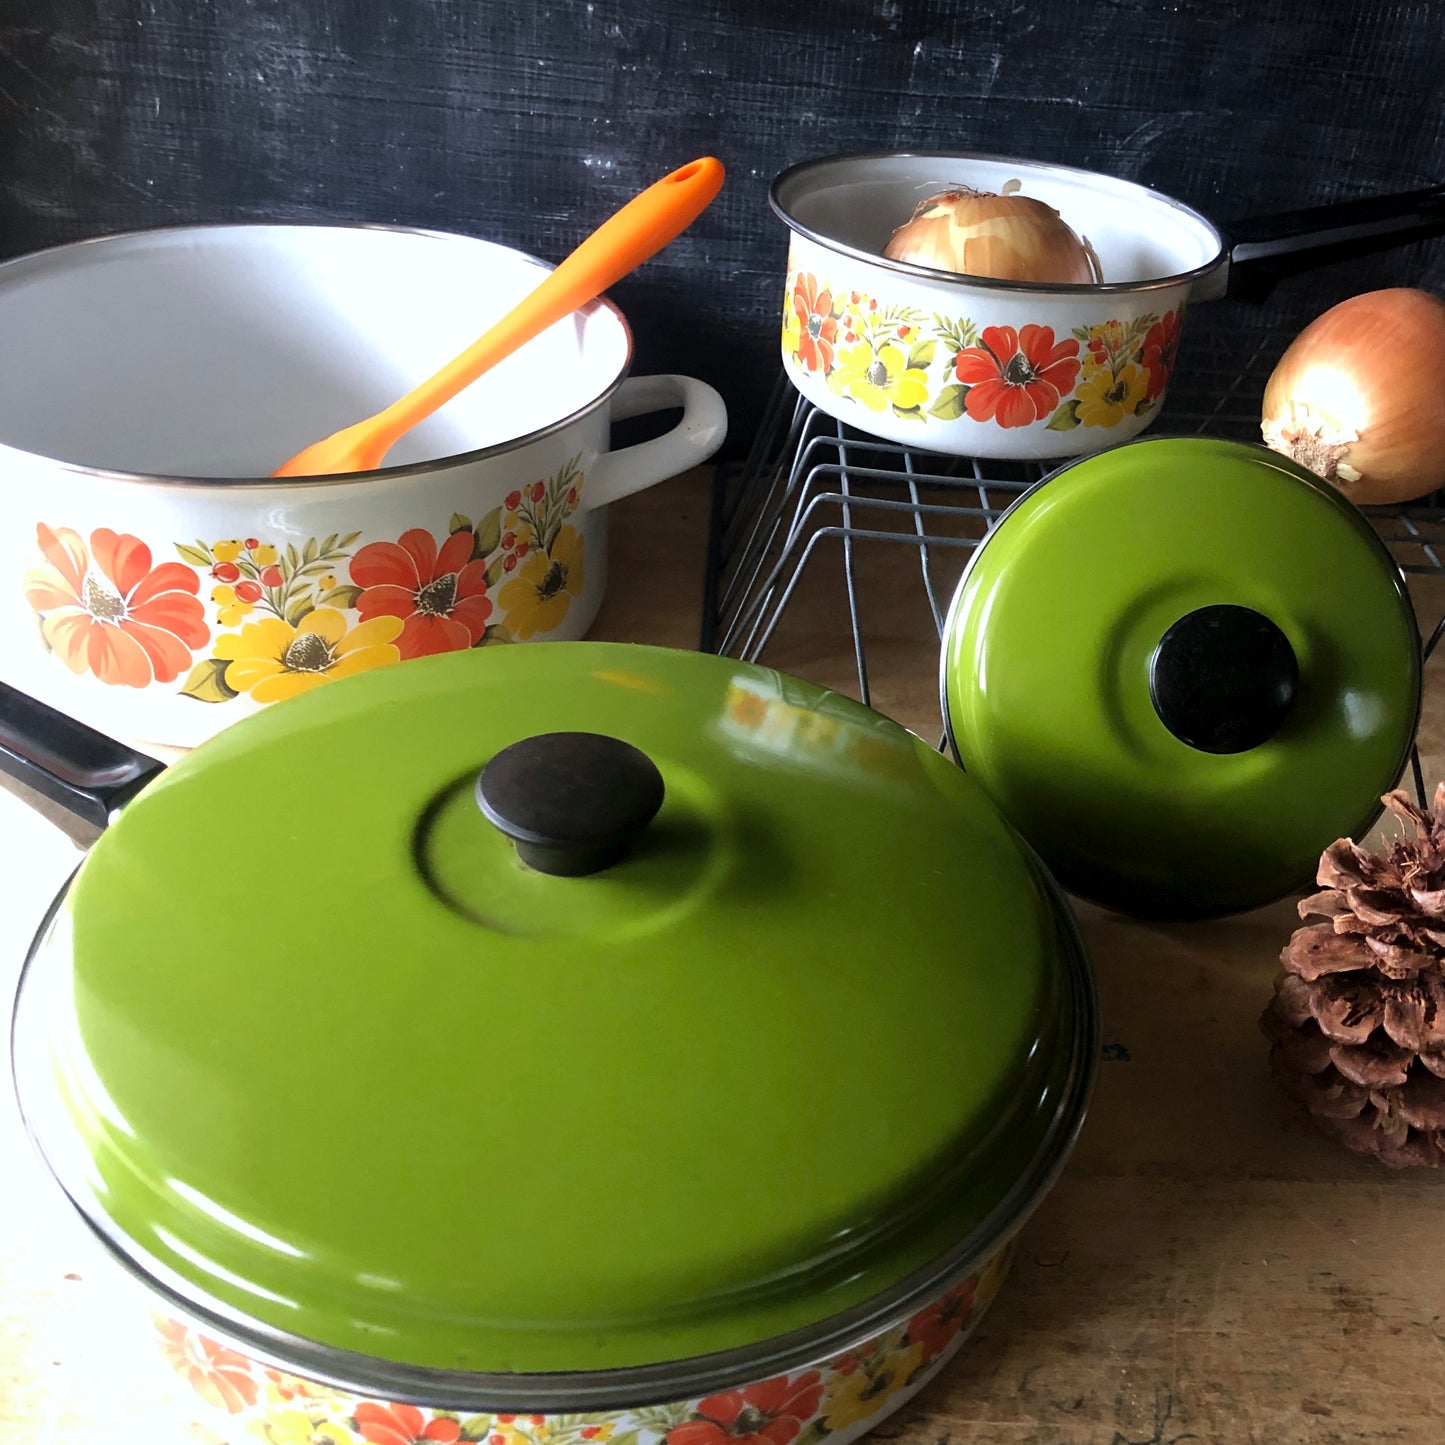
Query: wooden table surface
[(1206, 1269)]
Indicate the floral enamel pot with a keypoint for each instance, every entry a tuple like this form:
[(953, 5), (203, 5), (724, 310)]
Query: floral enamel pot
[(978, 367), (612, 1097), (1183, 668), (156, 583)]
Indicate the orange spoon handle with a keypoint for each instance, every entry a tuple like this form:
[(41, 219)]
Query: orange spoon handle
[(617, 247)]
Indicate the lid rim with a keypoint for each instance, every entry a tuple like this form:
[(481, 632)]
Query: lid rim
[(634, 1385)]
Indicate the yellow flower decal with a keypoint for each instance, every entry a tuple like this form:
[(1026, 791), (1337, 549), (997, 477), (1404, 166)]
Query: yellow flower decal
[(1105, 399), (273, 660), (792, 329), (859, 1395), (538, 596), (880, 378), (293, 1427)]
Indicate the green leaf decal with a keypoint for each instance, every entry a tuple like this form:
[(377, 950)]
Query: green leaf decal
[(489, 533), (949, 406), (1081, 332), (308, 552), (494, 572), (348, 539), (1065, 419), (478, 1427), (207, 682), (298, 608), (494, 634), (293, 556), (328, 544), (460, 523), (343, 596), (194, 555), (908, 413), (922, 353)]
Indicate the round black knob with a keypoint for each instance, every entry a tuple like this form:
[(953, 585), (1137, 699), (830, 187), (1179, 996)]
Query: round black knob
[(1223, 679), (573, 803)]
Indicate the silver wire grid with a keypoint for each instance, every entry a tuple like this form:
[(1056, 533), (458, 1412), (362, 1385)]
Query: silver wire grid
[(820, 504)]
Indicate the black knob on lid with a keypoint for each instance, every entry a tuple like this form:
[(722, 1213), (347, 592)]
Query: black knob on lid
[(573, 803), (1223, 679)]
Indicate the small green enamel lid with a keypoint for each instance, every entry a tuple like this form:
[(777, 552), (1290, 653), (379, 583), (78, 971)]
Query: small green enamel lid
[(1182, 668), (327, 1058)]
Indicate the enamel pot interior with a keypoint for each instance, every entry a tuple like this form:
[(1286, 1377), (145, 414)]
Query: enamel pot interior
[(1182, 668), (853, 204), (218, 351), (551, 1071)]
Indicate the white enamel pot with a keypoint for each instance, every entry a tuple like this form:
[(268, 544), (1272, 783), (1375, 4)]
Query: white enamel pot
[(157, 584), (971, 366)]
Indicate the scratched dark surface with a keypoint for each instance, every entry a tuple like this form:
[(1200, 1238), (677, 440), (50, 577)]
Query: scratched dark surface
[(527, 123)]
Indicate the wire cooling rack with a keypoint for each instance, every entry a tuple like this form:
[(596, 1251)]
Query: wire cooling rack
[(819, 504)]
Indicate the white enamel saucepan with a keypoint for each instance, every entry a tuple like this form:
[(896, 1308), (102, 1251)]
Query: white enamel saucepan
[(1013, 370)]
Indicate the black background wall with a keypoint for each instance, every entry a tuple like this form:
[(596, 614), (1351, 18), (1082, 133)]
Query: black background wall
[(527, 123)]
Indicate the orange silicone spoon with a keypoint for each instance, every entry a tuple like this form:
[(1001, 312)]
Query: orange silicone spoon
[(618, 246)]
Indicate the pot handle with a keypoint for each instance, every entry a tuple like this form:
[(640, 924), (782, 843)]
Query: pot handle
[(1264, 249), (692, 441), (67, 772)]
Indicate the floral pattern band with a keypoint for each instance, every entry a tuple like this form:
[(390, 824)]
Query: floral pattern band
[(892, 358), (803, 1407), (280, 621)]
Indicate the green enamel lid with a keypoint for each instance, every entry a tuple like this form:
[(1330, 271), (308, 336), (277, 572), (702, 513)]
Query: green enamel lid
[(322, 1056), (1182, 668)]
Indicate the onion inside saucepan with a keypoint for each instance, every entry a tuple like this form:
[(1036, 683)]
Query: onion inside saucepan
[(1006, 237)]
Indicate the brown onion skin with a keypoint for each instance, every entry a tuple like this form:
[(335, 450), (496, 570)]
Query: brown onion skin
[(1024, 240), (1391, 343)]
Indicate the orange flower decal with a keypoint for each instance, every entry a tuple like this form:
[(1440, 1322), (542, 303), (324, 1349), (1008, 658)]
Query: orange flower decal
[(1161, 346), (440, 596), (220, 1376), (1017, 377), (108, 612), (771, 1413), (403, 1425), (935, 1326), (818, 327)]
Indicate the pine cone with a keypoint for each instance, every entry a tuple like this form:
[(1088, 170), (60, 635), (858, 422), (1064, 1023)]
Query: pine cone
[(1357, 1021)]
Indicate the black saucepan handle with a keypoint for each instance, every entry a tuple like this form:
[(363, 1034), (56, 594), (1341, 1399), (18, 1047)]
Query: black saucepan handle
[(73, 775), (1265, 249)]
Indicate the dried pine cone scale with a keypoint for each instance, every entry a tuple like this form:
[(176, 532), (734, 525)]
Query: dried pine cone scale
[(1357, 1021)]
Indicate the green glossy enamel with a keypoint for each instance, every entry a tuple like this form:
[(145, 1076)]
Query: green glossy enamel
[(1046, 673), (344, 1065)]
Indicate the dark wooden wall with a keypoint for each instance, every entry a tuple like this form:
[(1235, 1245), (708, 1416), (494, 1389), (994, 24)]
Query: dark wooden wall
[(527, 122)]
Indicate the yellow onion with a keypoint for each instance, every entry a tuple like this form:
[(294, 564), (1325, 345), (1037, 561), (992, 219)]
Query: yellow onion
[(1359, 397), (1007, 237)]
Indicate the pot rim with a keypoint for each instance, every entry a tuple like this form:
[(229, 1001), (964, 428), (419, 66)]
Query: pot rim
[(1348, 508), (632, 1386), (330, 479), (991, 283)]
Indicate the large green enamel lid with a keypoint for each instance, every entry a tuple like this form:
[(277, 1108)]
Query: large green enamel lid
[(1182, 668), (333, 1062)]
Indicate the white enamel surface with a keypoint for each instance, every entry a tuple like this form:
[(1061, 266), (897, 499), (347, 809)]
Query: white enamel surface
[(222, 351), (964, 436), (1138, 234)]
